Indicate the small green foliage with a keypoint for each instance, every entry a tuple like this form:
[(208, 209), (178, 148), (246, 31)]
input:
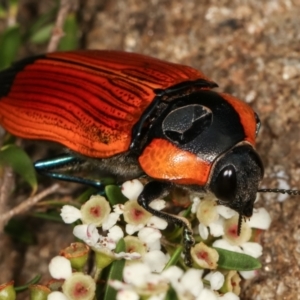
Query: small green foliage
[(20, 162), (115, 272), (230, 260), (10, 41), (114, 195)]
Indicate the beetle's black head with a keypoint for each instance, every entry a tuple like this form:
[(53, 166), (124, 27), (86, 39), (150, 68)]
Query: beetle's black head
[(235, 179)]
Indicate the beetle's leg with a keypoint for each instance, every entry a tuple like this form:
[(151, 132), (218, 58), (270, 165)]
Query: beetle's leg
[(156, 189), (54, 168)]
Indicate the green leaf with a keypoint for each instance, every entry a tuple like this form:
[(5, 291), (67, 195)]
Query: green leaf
[(114, 195), (174, 258), (171, 295), (18, 230), (42, 35), (70, 40), (50, 216), (115, 272), (10, 41), (230, 260), (20, 162), (24, 287), (42, 21)]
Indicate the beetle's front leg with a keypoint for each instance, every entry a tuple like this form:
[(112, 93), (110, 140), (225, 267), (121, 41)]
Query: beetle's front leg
[(156, 189)]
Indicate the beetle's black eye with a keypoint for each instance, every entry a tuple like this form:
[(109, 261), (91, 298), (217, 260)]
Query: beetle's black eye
[(225, 186)]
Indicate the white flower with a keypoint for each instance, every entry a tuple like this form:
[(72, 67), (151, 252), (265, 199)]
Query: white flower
[(131, 229), (60, 267), (127, 295), (192, 281), (260, 219), (229, 296), (207, 294), (203, 231), (225, 211), (56, 296), (110, 221), (216, 280), (132, 189), (87, 233), (156, 260), (70, 214), (249, 274), (115, 233), (151, 237), (195, 204), (136, 274), (223, 244), (173, 274), (252, 249), (158, 223)]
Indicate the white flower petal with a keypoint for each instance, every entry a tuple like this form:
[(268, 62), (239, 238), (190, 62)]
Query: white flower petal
[(157, 297), (158, 223), (128, 256), (149, 235), (156, 260), (57, 296), (253, 249), (136, 274), (60, 267), (217, 228), (225, 211), (155, 245), (196, 202), (221, 243), (118, 209), (260, 219), (115, 233), (207, 294), (203, 231), (216, 280), (70, 214), (131, 229), (229, 296), (249, 274), (88, 233), (131, 189), (192, 282), (110, 221), (158, 204), (173, 274), (118, 285), (127, 295)]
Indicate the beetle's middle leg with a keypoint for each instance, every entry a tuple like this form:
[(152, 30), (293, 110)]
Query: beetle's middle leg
[(154, 190), (55, 168)]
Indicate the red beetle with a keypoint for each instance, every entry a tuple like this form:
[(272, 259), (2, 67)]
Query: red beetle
[(133, 115)]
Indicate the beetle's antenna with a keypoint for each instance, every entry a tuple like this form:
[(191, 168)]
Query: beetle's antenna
[(282, 191)]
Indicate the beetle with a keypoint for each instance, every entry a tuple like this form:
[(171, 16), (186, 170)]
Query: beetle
[(132, 115)]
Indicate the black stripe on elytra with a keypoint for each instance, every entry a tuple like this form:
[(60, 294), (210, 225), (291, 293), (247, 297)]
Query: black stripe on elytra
[(7, 76)]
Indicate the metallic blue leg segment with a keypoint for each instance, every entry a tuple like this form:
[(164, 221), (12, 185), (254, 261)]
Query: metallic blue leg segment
[(46, 167)]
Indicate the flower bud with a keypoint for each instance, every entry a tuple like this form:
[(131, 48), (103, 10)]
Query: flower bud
[(77, 254), (7, 291)]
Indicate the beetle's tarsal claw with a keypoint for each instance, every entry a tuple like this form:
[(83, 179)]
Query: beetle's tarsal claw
[(240, 221)]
